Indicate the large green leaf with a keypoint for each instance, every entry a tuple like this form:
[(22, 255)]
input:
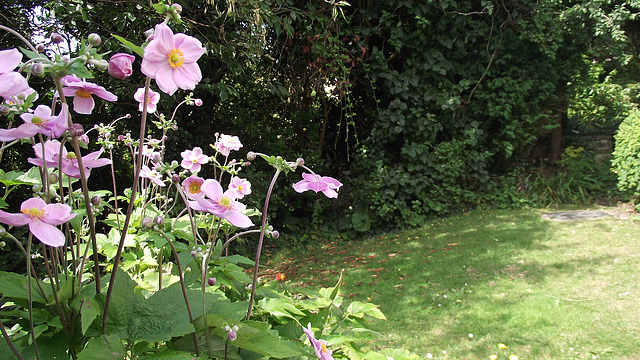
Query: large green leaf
[(106, 347), (260, 338), (16, 286)]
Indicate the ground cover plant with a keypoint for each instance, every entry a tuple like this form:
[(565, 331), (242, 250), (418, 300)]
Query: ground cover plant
[(490, 283)]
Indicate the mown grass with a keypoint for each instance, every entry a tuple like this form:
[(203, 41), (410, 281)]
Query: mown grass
[(459, 287)]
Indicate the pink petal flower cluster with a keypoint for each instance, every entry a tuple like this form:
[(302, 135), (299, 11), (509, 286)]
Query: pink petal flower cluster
[(241, 186), (192, 187), (328, 185), (320, 346), (120, 65), (221, 204), (151, 174), (193, 160), (152, 99), (171, 60), (42, 219), (225, 143), (53, 157), (82, 92), (11, 82), (41, 121)]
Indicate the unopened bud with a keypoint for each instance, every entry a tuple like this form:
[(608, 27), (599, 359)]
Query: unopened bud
[(177, 8), (193, 253), (197, 102), (175, 178), (2, 243), (40, 47), (300, 161), (3, 231), (94, 39), (36, 188), (100, 64), (4, 110), (251, 156), (275, 234), (96, 200), (37, 69), (147, 222), (158, 220), (149, 34), (212, 281), (56, 38), (53, 178), (76, 130)]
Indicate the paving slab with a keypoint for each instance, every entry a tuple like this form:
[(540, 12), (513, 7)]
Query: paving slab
[(577, 215)]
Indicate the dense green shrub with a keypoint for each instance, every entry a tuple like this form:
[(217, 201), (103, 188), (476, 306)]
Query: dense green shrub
[(626, 156)]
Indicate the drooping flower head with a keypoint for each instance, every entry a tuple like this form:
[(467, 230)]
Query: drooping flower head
[(328, 185), (171, 60), (221, 204), (225, 143), (82, 92), (151, 174), (320, 346), (42, 219), (152, 99), (193, 159), (241, 186), (192, 185), (41, 121), (11, 82), (52, 156)]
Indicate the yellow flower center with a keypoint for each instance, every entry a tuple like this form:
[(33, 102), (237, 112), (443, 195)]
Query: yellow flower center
[(71, 155), (225, 202), (34, 213), (240, 188), (37, 120), (176, 58), (83, 94), (324, 348), (194, 188)]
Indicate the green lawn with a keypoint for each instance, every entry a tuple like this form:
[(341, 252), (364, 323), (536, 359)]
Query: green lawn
[(459, 287)]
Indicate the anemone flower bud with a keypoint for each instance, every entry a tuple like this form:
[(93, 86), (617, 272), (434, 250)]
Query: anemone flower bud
[(193, 253), (120, 65), (147, 222), (149, 34), (177, 8), (94, 39), (53, 178), (251, 156), (212, 281), (300, 161), (76, 130), (40, 47), (4, 110), (3, 231), (197, 102), (158, 220), (56, 38), (275, 234), (175, 178), (37, 69), (96, 200)]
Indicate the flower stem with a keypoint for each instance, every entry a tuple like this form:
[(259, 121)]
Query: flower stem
[(262, 231), (134, 189), (9, 342)]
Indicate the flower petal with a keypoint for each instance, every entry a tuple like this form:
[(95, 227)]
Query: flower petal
[(9, 60), (238, 219), (13, 219), (164, 79), (58, 214), (212, 189), (23, 131), (187, 76), (83, 105), (48, 234)]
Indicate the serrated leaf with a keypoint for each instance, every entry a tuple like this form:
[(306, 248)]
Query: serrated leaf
[(106, 347), (16, 286), (359, 309), (280, 308), (260, 338), (129, 45), (89, 310)]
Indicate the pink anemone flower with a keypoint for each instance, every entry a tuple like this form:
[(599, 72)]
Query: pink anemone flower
[(152, 175), (41, 121), (191, 187), (11, 82), (221, 204), (225, 143), (152, 99), (42, 219), (193, 159), (241, 186), (320, 346), (82, 92), (328, 185), (53, 156), (171, 60)]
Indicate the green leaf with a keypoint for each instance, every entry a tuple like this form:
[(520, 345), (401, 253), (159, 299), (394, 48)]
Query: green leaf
[(16, 286), (359, 309), (129, 45), (106, 347), (89, 310), (258, 337), (280, 308), (170, 355)]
